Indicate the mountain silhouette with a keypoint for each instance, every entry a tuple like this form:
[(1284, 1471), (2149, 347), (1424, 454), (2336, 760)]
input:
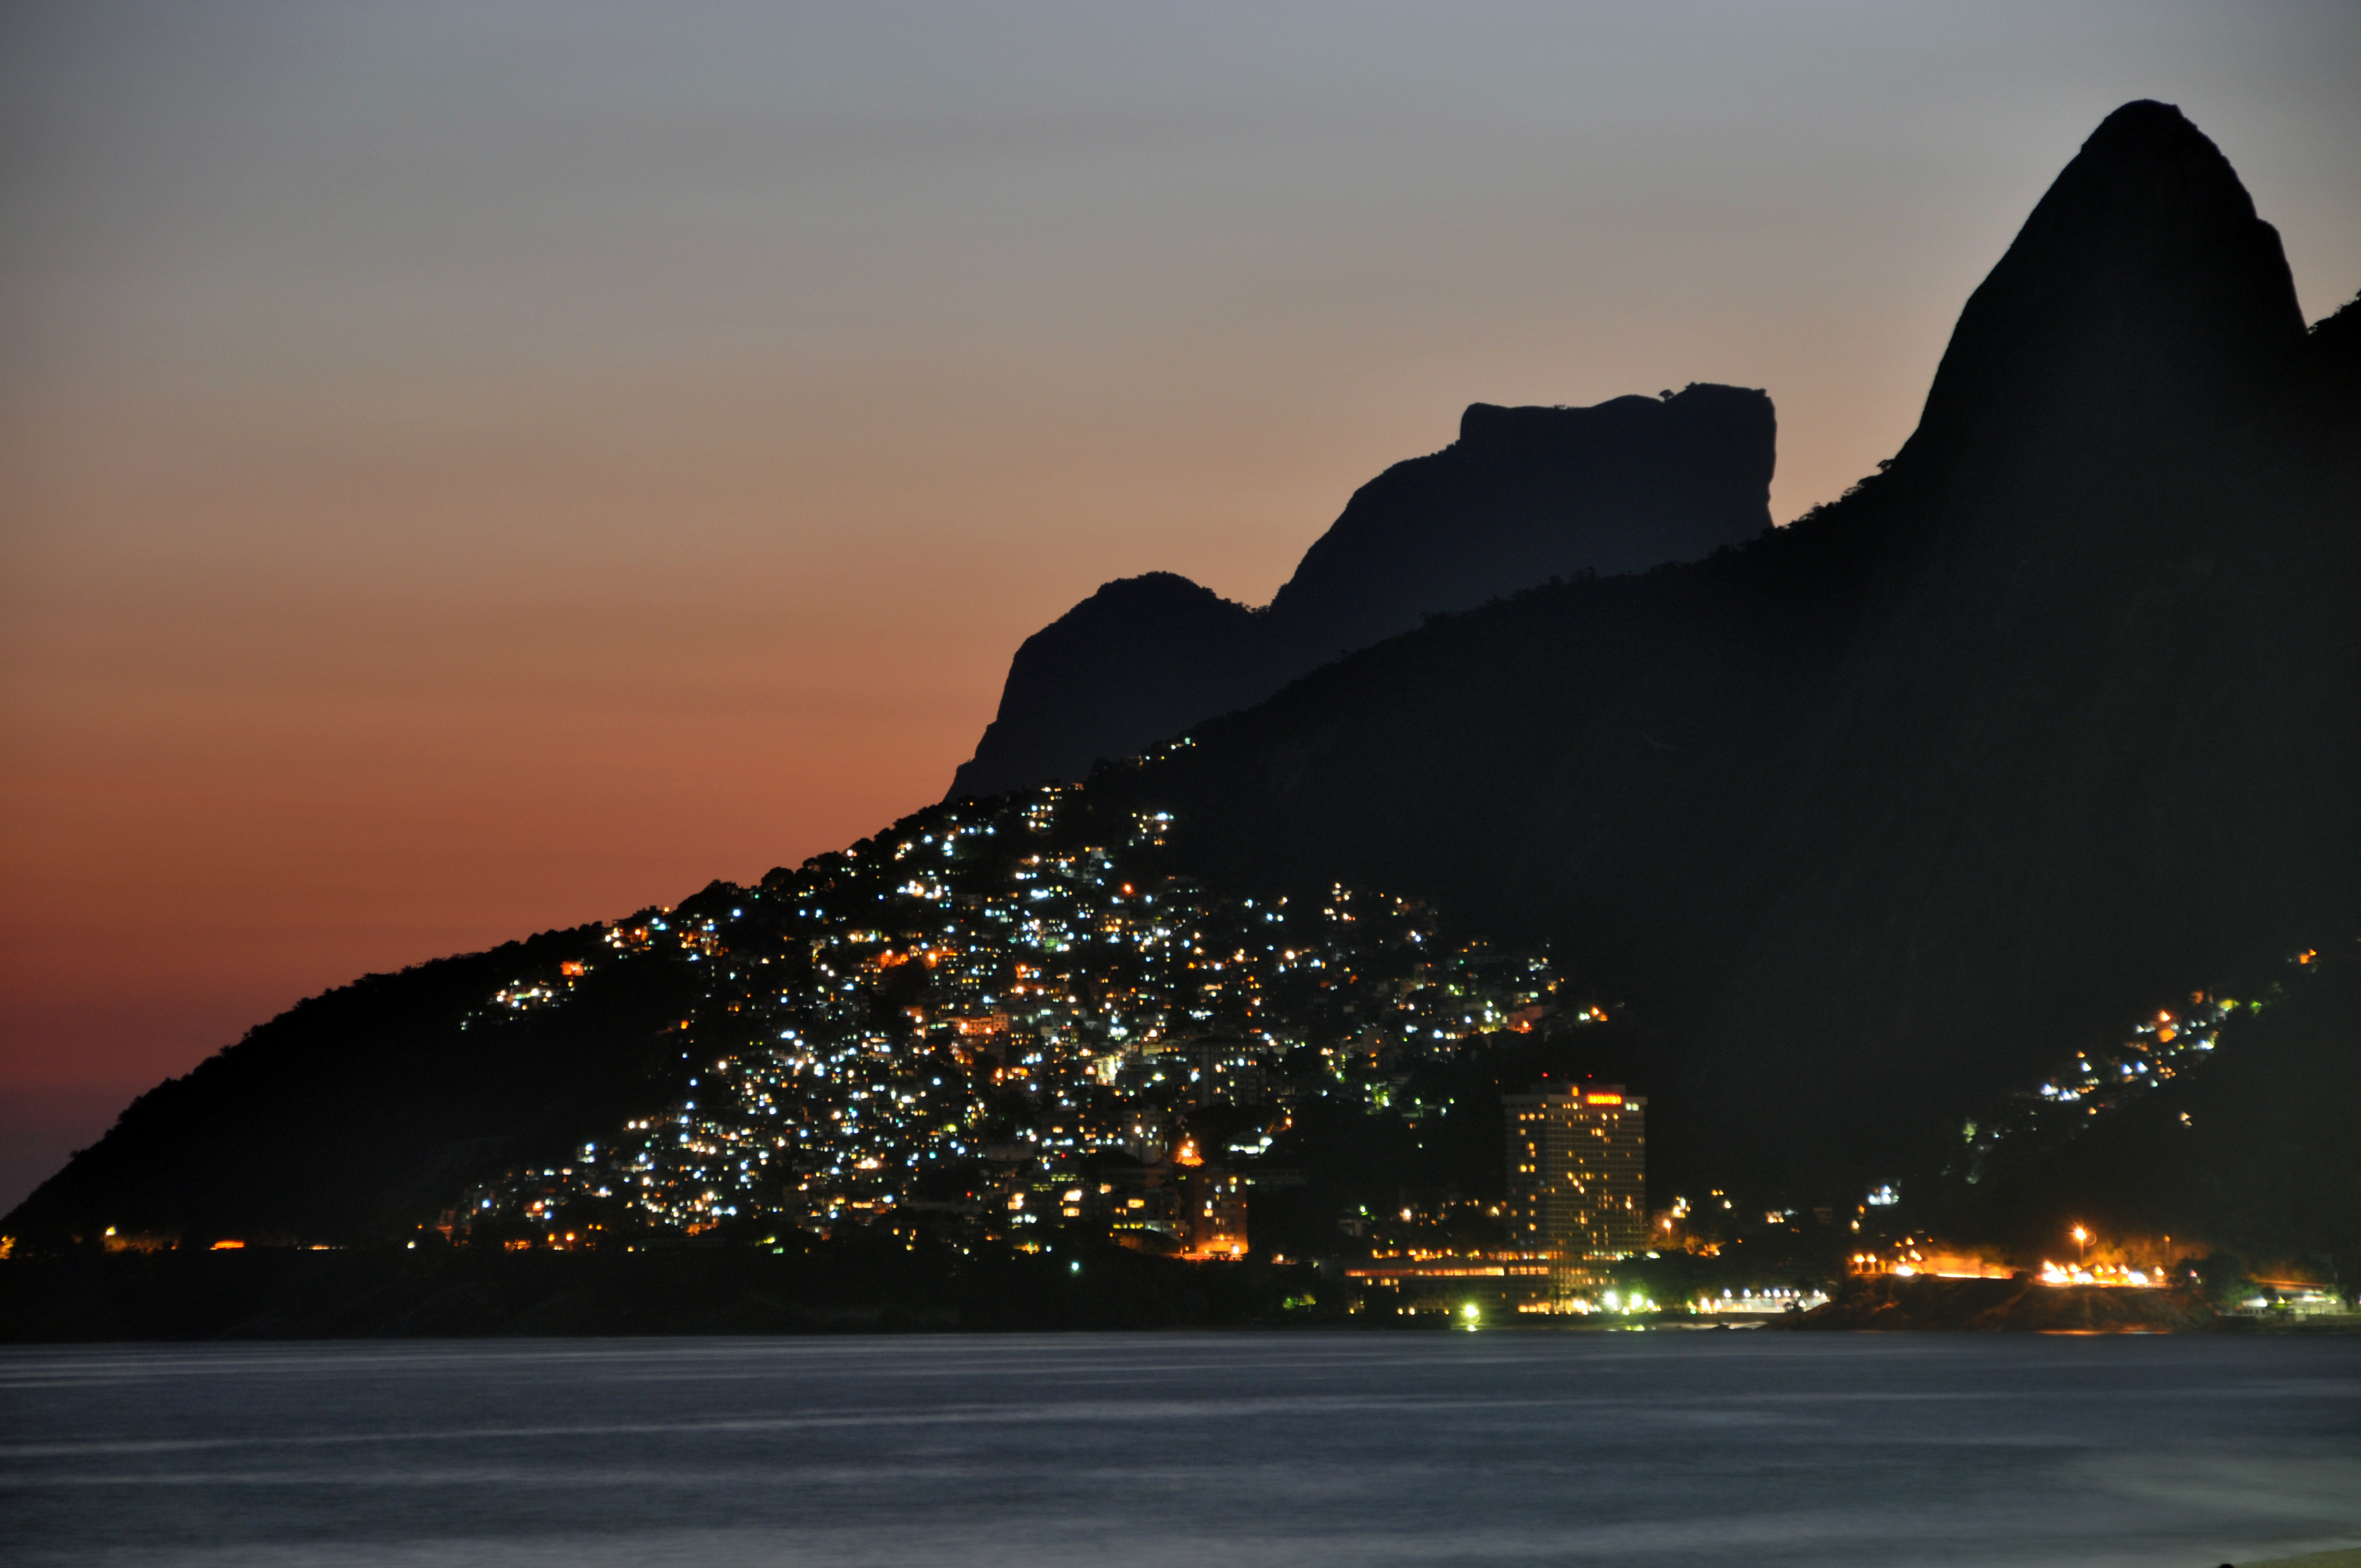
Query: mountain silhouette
[(1869, 820), (1524, 495), (2057, 716)]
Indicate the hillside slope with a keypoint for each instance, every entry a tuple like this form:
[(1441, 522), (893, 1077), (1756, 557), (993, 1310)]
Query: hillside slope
[(2054, 716), (367, 1109)]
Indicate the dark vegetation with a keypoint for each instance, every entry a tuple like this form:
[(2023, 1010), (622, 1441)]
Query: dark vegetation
[(1525, 496), (2257, 1154), (362, 1112)]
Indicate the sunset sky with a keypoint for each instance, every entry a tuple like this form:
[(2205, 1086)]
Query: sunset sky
[(469, 469)]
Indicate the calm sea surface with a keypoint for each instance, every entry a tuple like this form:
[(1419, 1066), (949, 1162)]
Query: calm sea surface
[(1213, 1451)]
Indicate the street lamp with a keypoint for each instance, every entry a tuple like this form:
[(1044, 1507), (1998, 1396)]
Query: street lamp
[(2081, 1243)]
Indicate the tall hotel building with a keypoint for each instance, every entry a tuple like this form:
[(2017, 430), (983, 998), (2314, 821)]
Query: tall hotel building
[(1578, 1176)]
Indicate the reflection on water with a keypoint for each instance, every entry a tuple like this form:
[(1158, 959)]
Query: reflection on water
[(1136, 1452)]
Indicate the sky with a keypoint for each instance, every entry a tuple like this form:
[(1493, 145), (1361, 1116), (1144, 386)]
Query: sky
[(469, 469)]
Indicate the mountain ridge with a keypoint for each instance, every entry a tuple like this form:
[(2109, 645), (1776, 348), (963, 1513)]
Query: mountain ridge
[(1523, 495), (1870, 817), (1918, 748)]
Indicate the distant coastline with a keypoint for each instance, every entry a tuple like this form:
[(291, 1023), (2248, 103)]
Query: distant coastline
[(861, 1285)]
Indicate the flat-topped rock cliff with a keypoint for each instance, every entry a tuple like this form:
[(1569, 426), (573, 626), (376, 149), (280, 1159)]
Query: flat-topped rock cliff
[(1523, 496)]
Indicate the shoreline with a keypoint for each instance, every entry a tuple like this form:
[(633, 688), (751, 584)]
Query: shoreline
[(868, 1289), (2025, 1305)]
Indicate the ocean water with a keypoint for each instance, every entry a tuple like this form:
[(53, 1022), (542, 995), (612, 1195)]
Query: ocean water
[(1209, 1451)]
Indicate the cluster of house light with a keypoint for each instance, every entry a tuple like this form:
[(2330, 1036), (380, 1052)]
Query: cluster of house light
[(2162, 1048), (860, 1021)]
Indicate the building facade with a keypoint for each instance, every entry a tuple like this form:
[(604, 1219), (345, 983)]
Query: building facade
[(1577, 1177)]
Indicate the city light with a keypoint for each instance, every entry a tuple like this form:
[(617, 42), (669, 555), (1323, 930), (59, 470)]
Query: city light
[(1002, 1026)]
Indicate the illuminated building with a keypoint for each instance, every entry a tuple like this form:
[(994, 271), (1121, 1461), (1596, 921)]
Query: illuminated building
[(1215, 1205), (1578, 1176), (1221, 1071)]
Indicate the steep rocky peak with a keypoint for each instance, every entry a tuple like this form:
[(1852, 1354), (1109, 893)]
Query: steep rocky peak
[(2142, 287)]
